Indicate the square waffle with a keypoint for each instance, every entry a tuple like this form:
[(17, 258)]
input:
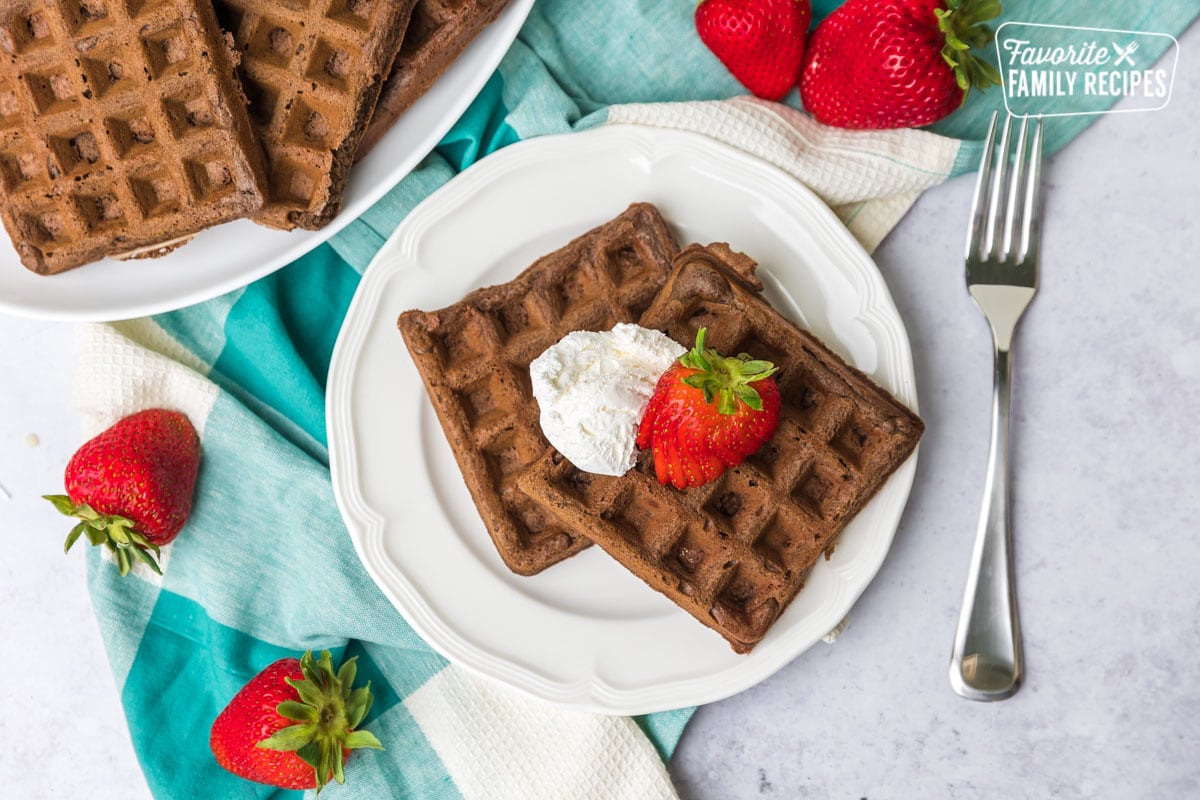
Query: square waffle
[(437, 34), (474, 360), (123, 130), (734, 552), (312, 70)]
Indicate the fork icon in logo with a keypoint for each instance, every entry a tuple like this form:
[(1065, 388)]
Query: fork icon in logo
[(1125, 54)]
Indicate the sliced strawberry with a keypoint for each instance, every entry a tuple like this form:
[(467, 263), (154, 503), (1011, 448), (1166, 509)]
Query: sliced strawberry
[(708, 412), (671, 455)]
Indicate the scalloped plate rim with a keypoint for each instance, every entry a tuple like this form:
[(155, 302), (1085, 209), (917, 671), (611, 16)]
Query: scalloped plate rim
[(110, 290), (398, 257)]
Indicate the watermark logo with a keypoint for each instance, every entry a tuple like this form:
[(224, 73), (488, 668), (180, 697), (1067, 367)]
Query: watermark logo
[(1063, 70)]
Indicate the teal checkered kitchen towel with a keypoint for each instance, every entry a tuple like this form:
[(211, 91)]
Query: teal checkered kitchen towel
[(265, 568)]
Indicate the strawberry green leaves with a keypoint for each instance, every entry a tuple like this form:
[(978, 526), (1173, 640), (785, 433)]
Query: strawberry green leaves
[(115, 532), (327, 713), (962, 22), (725, 378), (881, 64), (131, 486), (708, 412), (313, 728)]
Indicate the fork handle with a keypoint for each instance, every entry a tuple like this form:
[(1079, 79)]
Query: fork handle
[(987, 663)]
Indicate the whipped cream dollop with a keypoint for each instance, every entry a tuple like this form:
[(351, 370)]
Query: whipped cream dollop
[(593, 388)]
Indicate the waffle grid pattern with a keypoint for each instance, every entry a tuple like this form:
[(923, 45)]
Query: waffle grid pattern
[(437, 34), (735, 552), (117, 130), (311, 70), (474, 358)]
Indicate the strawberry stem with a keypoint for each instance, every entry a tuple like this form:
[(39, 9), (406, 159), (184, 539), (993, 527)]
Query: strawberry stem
[(108, 530), (326, 715), (726, 379), (962, 22)]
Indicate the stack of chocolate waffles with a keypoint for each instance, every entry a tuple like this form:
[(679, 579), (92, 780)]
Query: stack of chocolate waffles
[(732, 553), (127, 126)]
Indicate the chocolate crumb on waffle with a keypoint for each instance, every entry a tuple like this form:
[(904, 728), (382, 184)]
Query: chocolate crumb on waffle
[(123, 130), (312, 73), (734, 552), (437, 34), (474, 359)]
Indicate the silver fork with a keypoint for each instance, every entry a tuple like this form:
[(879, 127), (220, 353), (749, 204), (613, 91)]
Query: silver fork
[(1002, 275)]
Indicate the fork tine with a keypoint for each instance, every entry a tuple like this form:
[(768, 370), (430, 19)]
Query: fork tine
[(996, 195), (1031, 228), (1014, 194), (978, 202)]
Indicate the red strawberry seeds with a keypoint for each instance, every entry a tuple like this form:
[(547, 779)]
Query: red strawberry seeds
[(293, 725), (708, 413), (874, 64), (760, 41), (132, 485)]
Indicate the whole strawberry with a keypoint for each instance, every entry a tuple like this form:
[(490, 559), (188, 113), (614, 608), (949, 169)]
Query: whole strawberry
[(760, 41), (132, 485), (896, 63), (708, 413), (293, 724)]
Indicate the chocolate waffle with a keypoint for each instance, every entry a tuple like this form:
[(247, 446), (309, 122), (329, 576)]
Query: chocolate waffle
[(312, 72), (474, 359), (123, 130), (735, 552), (438, 33)]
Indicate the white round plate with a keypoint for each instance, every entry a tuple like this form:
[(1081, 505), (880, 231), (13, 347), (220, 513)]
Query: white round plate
[(586, 633), (232, 255)]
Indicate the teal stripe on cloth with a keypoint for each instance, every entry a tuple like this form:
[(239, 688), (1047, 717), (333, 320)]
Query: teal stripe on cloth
[(664, 729), (405, 659), (205, 331), (265, 566), (374, 775), (369, 674), (123, 609), (393, 679), (481, 130), (280, 335), (266, 550), (359, 241), (597, 61), (537, 106), (186, 670)]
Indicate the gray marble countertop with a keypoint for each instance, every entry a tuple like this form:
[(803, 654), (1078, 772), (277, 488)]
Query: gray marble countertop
[(1106, 418)]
